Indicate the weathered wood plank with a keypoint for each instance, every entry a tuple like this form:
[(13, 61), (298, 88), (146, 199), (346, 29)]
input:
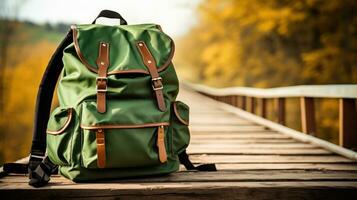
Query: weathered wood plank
[(286, 166), (226, 128), (242, 141), (205, 135), (268, 159), (246, 176), (190, 190), (262, 151), (195, 121), (220, 144)]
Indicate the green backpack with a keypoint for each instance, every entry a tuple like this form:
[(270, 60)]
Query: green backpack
[(117, 116)]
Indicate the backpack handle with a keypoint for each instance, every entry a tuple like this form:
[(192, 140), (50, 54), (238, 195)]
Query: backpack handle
[(112, 15)]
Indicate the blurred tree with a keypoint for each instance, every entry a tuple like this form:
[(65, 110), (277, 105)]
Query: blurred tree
[(8, 12), (8, 25), (20, 104), (273, 43)]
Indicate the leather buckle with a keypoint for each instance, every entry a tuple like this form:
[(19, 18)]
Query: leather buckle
[(153, 85), (99, 79)]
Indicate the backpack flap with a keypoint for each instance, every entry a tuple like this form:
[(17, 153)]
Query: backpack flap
[(124, 56)]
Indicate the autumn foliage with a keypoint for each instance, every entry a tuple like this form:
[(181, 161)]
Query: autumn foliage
[(272, 43), (22, 82)]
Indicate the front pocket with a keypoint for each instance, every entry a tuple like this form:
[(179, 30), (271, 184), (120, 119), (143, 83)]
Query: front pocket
[(115, 139), (180, 131), (59, 134)]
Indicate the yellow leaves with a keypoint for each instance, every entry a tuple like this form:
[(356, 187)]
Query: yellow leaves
[(220, 59), (22, 84), (274, 42), (269, 19)]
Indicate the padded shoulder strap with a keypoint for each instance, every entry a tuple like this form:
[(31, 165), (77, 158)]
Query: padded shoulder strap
[(43, 103)]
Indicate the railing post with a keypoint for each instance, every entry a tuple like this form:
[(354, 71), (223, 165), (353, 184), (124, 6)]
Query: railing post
[(235, 101), (231, 100), (281, 111), (307, 109), (252, 105), (348, 123), (244, 103), (263, 111)]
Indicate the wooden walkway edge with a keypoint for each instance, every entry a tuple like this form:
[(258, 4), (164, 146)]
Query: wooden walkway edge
[(254, 161)]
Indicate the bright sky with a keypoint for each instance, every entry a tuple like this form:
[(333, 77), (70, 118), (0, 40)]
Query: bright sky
[(176, 17)]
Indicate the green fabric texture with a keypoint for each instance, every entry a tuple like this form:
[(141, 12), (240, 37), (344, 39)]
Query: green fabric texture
[(131, 149)]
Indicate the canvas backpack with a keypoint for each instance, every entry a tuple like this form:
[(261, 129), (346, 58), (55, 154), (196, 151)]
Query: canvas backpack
[(117, 115)]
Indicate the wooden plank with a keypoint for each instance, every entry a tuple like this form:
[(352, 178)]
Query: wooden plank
[(257, 190), (242, 132), (348, 123), (210, 120), (286, 166), (222, 115), (307, 115), (206, 112), (248, 135), (226, 128), (242, 141), (268, 159), (251, 175), (59, 182), (253, 151), (221, 145)]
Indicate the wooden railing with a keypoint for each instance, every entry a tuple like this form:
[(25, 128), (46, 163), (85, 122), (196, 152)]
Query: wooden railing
[(247, 98)]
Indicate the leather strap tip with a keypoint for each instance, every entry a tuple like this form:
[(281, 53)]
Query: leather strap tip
[(162, 108)]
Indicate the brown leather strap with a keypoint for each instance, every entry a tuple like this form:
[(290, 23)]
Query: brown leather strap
[(161, 144), (150, 63), (102, 81), (100, 137)]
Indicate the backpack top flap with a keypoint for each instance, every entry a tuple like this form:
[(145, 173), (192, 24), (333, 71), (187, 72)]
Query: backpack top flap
[(124, 56)]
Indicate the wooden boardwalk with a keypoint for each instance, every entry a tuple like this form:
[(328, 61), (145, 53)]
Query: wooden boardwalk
[(254, 162)]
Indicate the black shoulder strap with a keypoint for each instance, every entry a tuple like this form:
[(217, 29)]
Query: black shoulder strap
[(43, 103), (40, 167)]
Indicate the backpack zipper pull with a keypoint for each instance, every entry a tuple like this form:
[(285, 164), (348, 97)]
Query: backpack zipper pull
[(161, 144)]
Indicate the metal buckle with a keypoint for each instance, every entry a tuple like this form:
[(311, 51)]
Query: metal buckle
[(102, 79), (36, 156), (153, 86), (156, 79), (158, 88)]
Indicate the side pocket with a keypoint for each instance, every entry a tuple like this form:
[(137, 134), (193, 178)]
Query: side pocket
[(180, 131), (59, 134)]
